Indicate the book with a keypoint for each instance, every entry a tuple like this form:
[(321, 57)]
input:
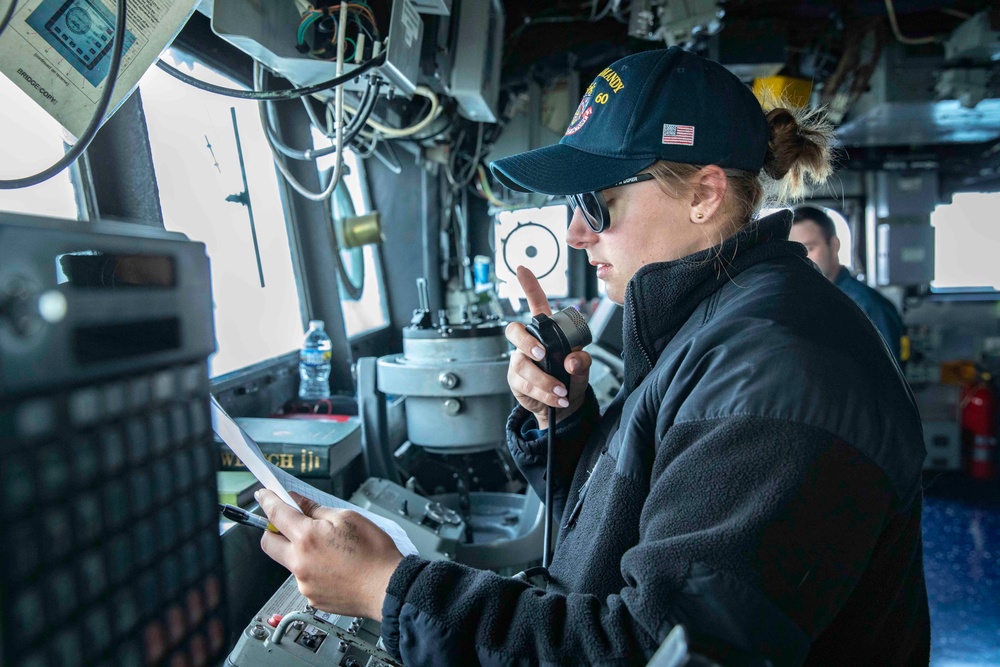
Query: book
[(303, 448), (236, 487), (280, 482)]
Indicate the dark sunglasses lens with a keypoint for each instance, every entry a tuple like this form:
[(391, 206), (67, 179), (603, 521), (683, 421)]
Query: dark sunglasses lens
[(592, 211)]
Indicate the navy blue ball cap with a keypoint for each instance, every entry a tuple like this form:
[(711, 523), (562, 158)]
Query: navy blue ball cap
[(666, 104)]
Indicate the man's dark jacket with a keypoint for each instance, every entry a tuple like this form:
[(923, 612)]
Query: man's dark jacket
[(879, 309), (757, 480)]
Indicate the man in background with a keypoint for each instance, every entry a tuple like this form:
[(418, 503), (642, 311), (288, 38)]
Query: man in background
[(815, 230)]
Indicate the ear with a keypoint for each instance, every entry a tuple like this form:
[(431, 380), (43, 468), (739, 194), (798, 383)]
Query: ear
[(835, 245), (708, 192)]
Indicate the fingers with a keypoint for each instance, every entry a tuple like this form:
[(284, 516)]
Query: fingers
[(537, 302), (525, 343), (578, 366), (278, 548), (286, 519), (307, 505), (318, 512), (528, 380)]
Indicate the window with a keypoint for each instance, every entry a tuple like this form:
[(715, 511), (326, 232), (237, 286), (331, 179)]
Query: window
[(966, 243), (193, 142), (363, 266), (534, 238), (31, 140), (846, 254)]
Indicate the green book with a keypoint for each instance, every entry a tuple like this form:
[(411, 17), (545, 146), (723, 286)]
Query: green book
[(304, 448), (236, 487)]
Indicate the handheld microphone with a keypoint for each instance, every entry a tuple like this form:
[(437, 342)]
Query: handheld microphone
[(558, 335)]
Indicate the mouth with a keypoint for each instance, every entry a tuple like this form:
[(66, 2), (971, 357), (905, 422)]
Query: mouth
[(602, 268)]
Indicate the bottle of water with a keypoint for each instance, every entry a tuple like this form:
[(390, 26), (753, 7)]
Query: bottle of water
[(314, 363)]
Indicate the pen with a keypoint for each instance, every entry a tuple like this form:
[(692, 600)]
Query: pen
[(239, 515)]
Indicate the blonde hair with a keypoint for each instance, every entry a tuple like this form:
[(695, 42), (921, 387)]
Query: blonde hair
[(799, 154)]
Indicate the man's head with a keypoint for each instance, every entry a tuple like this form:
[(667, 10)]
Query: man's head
[(815, 230)]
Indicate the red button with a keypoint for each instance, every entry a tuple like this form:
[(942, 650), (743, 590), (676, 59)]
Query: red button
[(274, 620)]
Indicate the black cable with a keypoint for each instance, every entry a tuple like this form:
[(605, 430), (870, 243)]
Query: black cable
[(8, 16), (351, 131), (273, 95), (103, 103), (549, 472)]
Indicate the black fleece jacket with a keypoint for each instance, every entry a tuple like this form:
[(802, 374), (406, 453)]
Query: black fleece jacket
[(757, 480)]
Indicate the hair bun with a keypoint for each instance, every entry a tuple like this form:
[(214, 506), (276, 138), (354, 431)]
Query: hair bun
[(798, 149)]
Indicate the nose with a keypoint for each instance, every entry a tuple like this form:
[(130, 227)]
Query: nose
[(579, 235)]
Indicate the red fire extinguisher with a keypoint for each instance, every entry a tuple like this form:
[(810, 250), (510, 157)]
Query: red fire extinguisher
[(979, 428)]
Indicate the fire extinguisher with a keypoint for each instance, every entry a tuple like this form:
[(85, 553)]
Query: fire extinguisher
[(979, 428)]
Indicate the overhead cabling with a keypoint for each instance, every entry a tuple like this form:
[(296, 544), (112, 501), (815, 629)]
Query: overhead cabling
[(279, 160), (275, 95)]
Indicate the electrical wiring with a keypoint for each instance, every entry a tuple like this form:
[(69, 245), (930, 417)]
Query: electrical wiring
[(339, 116), (912, 41), (398, 133), (99, 112), (360, 12), (275, 95), (965, 16), (483, 186), (368, 151), (8, 15), (351, 131), (449, 171)]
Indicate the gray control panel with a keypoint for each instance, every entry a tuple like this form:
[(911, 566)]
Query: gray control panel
[(288, 632), (435, 530)]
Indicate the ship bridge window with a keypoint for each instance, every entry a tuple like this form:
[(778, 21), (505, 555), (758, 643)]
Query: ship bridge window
[(362, 286), (193, 140), (967, 243), (30, 144)]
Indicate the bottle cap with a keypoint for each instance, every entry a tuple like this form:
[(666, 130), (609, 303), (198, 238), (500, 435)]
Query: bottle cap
[(316, 324)]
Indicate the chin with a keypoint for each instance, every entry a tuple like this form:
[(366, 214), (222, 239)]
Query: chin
[(614, 293)]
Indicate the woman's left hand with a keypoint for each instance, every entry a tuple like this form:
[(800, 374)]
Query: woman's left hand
[(341, 560)]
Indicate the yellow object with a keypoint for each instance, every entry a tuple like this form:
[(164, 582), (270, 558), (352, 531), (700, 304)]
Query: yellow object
[(958, 372), (793, 89), (904, 348), (236, 487)]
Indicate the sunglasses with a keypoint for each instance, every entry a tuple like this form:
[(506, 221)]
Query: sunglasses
[(595, 209)]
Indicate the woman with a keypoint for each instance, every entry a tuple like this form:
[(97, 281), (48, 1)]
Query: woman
[(757, 479)]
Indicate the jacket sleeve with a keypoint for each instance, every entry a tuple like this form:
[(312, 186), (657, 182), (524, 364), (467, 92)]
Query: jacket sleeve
[(753, 532), (529, 448), (886, 319)]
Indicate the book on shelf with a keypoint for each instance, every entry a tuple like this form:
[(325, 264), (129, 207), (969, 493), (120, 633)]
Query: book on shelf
[(236, 487), (304, 448)]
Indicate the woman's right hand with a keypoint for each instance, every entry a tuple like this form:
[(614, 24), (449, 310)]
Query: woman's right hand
[(533, 388)]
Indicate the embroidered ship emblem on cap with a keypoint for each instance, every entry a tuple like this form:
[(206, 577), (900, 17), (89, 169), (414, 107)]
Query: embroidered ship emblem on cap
[(679, 135), (580, 121), (582, 114)]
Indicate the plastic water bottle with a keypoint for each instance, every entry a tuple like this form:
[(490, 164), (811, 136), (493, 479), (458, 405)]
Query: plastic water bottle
[(314, 363)]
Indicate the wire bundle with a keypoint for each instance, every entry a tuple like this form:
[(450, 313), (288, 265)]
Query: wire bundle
[(323, 21)]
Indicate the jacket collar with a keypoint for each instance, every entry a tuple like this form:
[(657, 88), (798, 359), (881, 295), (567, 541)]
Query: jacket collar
[(661, 297), (843, 275)]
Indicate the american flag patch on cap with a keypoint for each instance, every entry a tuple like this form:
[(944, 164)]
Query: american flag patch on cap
[(681, 135)]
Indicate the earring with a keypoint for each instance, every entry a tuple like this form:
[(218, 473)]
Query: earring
[(699, 215)]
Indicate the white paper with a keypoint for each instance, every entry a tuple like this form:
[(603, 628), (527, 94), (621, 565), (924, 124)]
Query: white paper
[(57, 51), (280, 482)]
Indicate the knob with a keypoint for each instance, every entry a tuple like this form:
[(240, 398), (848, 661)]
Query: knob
[(452, 406), (25, 309)]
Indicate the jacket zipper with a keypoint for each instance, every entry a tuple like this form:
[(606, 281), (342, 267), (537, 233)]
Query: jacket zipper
[(635, 332)]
